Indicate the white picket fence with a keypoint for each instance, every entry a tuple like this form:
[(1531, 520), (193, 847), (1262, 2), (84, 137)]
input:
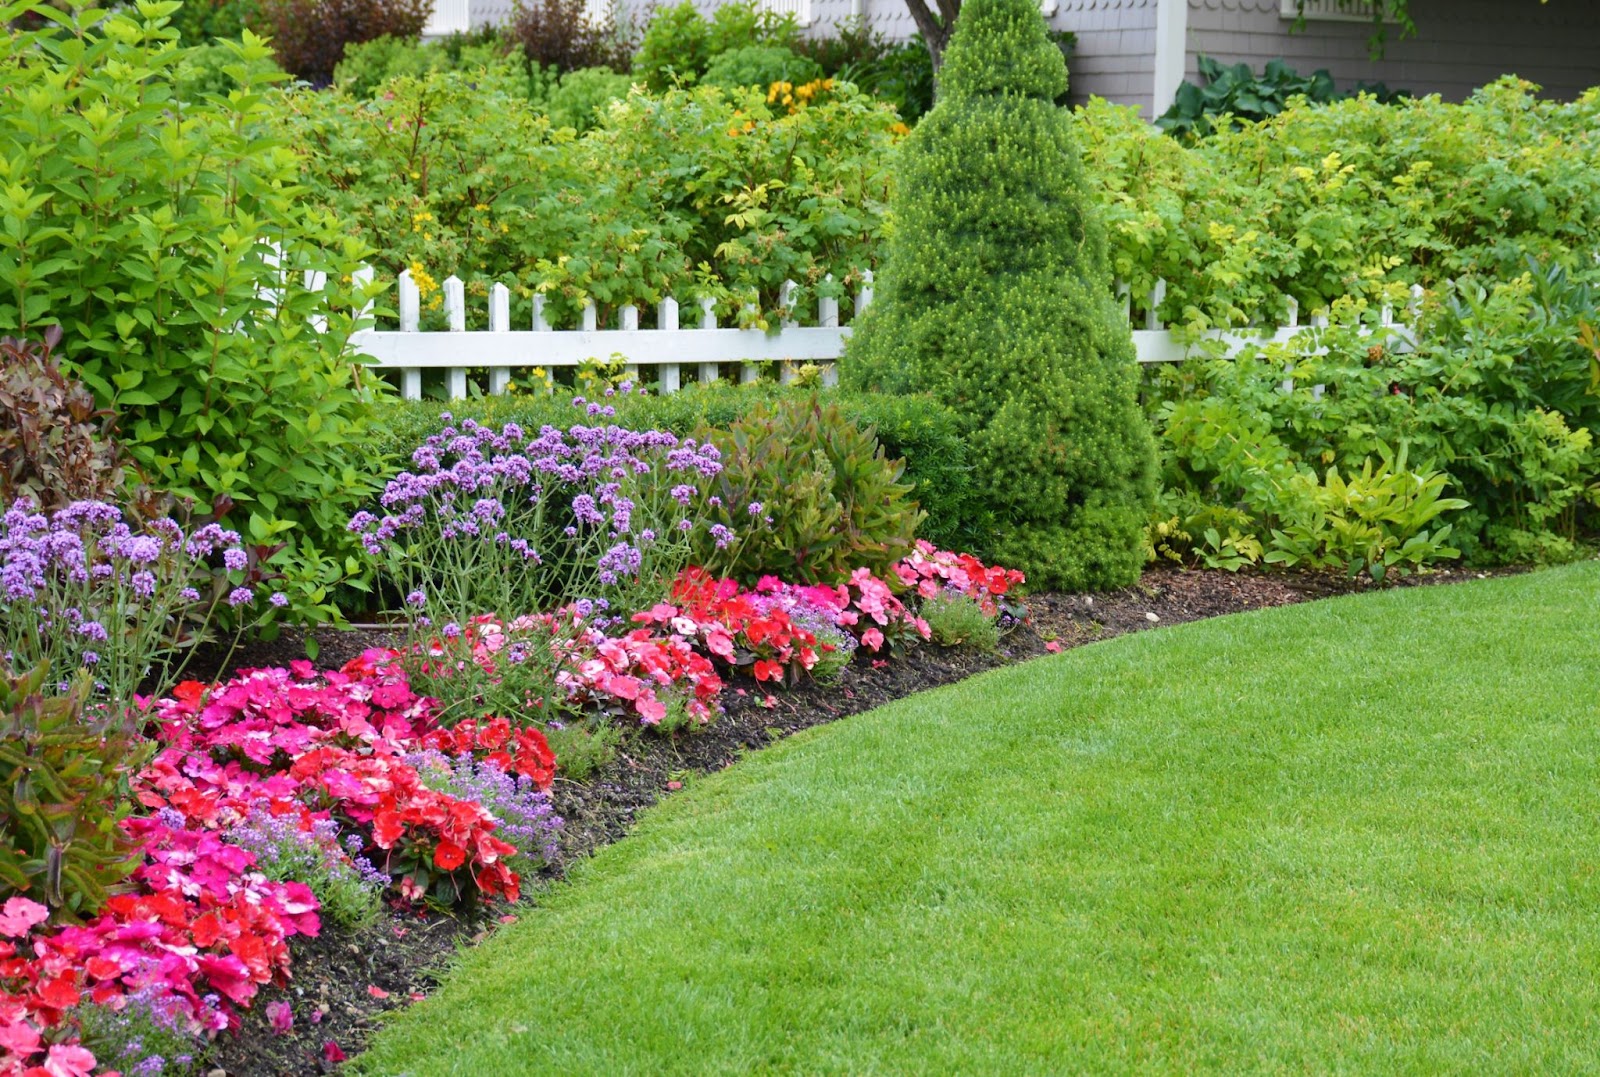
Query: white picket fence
[(675, 349)]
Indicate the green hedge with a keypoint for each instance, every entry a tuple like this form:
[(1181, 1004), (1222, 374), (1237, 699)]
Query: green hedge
[(917, 429)]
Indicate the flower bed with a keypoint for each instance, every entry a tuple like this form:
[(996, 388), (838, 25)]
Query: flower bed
[(284, 798)]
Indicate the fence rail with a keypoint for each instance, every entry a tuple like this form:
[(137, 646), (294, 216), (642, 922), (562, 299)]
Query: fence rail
[(697, 350)]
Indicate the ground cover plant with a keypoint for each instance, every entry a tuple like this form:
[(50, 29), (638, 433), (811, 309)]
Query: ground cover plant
[(1022, 338), (1318, 834)]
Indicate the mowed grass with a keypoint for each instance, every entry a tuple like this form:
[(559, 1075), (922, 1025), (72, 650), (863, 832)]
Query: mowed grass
[(1354, 836)]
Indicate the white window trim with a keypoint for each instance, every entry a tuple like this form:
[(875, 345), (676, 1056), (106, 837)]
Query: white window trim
[(1331, 10)]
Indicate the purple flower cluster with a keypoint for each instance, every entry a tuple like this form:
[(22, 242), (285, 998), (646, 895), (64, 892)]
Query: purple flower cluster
[(525, 815), (348, 886), (152, 1031), (590, 507), (83, 586)]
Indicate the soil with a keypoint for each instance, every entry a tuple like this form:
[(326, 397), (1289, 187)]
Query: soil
[(343, 981)]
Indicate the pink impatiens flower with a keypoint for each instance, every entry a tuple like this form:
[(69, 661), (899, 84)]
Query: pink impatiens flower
[(281, 1017), (18, 916)]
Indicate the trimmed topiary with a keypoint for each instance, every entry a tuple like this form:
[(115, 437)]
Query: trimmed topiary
[(996, 298)]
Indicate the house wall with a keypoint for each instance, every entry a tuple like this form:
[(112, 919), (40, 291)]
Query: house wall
[(1116, 38), (1459, 46)]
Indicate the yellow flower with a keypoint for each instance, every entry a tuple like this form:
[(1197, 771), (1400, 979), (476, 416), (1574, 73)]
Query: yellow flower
[(482, 207), (425, 283)]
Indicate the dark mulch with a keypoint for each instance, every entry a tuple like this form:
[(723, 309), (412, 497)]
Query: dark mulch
[(347, 980)]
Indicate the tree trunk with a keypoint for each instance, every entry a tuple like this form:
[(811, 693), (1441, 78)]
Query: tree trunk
[(935, 25)]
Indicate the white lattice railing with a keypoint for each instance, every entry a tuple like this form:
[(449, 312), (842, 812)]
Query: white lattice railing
[(800, 9), (697, 350), (448, 17)]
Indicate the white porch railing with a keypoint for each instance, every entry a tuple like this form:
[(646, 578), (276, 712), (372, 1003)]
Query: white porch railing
[(448, 17), (676, 350)]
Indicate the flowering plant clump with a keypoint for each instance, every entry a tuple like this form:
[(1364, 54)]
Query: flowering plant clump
[(519, 804), (780, 631), (332, 746), (512, 523), (744, 629), (85, 588), (870, 610), (348, 888), (274, 780), (523, 753), (931, 571), (657, 680), (198, 936)]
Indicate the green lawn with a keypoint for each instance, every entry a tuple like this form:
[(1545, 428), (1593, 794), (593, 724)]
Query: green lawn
[(1360, 835)]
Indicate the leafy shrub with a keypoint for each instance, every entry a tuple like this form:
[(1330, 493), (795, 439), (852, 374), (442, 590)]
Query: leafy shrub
[(1021, 335), (679, 43), (63, 770), (676, 46), (212, 69), (311, 36), (580, 96), (200, 22), (1376, 522), (370, 64), (182, 324), (559, 34), (1492, 392), (899, 73), (56, 445), (808, 495), (1242, 96), (699, 193), (957, 620), (760, 66), (1354, 198)]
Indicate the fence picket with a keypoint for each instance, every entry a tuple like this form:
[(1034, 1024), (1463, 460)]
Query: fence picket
[(455, 303), (748, 371), (1152, 320), (828, 309), (667, 322), (499, 322), (705, 346), (864, 294), (708, 320)]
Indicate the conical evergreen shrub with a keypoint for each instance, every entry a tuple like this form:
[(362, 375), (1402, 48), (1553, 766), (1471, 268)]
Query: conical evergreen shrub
[(995, 296)]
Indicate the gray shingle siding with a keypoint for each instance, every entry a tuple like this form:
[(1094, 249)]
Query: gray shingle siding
[(1116, 38), (1460, 44)]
